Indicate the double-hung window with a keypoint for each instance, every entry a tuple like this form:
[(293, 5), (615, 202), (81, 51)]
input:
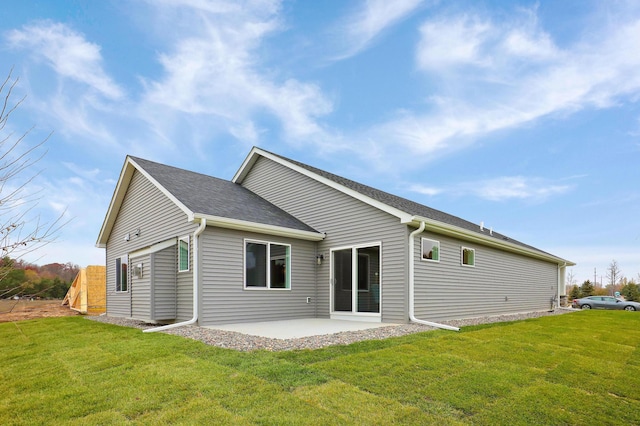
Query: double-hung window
[(267, 265), (430, 250), (122, 274), (183, 254)]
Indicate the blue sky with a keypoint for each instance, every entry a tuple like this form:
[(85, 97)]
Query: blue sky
[(522, 115)]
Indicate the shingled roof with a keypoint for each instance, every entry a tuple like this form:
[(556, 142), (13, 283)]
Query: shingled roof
[(207, 195), (410, 207)]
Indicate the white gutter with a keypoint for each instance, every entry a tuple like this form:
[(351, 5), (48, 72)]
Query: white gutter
[(457, 232), (412, 303), (243, 225), (196, 278)]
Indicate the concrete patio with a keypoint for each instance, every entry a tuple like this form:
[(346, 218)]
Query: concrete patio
[(294, 329)]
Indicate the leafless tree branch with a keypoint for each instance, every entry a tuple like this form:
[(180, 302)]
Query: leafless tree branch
[(20, 232)]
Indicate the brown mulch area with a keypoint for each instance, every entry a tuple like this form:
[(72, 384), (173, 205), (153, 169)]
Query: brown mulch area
[(18, 310)]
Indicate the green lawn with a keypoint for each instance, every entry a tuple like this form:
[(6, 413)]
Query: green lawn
[(582, 368)]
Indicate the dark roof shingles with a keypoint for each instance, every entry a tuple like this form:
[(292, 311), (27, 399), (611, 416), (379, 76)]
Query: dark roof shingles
[(408, 206), (218, 197)]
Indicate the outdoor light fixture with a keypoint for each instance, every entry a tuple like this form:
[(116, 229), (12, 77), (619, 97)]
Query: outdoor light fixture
[(319, 259), (127, 237)]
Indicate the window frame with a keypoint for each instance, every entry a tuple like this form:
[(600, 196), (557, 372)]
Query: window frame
[(437, 244), (473, 257), (268, 260), (186, 240), (122, 261)]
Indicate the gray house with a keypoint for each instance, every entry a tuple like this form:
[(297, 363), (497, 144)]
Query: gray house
[(283, 240)]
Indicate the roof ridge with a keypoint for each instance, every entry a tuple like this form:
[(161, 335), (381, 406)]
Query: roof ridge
[(400, 203), (137, 159), (202, 193)]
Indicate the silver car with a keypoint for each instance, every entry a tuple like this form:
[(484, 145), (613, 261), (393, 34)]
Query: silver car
[(605, 302)]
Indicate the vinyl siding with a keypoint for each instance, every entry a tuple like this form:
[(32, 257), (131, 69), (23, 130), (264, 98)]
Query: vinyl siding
[(346, 221), (140, 290), (158, 218), (164, 284), (500, 282), (184, 283), (224, 299)]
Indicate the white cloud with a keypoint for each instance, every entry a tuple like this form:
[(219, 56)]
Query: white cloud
[(360, 29), (501, 75), (215, 71), (67, 52), (517, 187), (426, 190), (501, 188), (450, 42)]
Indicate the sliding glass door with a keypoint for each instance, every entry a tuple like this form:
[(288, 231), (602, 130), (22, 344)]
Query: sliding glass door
[(356, 279)]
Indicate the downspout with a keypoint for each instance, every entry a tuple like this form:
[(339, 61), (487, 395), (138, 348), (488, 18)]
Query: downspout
[(196, 279), (412, 303)]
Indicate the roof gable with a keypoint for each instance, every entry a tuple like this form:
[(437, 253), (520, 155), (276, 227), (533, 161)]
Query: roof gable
[(221, 202), (405, 210)]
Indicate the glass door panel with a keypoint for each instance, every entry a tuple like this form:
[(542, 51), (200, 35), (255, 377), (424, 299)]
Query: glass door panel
[(342, 280), (368, 279)]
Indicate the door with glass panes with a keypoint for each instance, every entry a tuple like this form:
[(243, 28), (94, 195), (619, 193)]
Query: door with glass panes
[(355, 280)]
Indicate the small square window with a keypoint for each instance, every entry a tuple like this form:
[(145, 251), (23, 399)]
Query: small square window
[(468, 256), (183, 254), (430, 250)]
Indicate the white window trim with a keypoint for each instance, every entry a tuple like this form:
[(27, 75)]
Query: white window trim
[(186, 239), (422, 240), (268, 272), (122, 259), (360, 316), (462, 249)]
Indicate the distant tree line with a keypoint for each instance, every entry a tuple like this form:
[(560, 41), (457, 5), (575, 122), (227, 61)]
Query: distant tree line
[(628, 288), (25, 280)]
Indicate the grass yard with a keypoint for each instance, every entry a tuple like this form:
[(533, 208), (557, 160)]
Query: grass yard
[(581, 368)]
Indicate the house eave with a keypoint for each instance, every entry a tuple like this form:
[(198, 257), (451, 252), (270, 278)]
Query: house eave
[(487, 240), (130, 166), (260, 228), (116, 201)]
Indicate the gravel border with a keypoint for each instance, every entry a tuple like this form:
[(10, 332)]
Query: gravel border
[(245, 342)]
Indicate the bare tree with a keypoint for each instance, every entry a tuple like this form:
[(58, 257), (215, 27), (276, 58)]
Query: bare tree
[(570, 281), (21, 228), (614, 274)]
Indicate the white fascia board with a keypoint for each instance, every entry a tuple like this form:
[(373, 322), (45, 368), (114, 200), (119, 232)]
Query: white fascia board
[(116, 201), (118, 197), (247, 164), (251, 159), (260, 228), (162, 189), (464, 234)]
